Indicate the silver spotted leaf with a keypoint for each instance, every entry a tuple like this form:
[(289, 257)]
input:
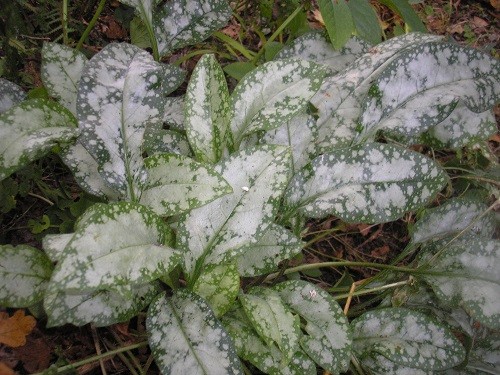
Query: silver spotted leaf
[(176, 184), (314, 46), (275, 246), (206, 108), (467, 274), (10, 94), (24, 274), (329, 338), (158, 140), (54, 244), (29, 130), (61, 71), (179, 23), (121, 90), (423, 85), (377, 364), (101, 308), (272, 320), (484, 357), (116, 244), (173, 114), (221, 230), (453, 217), (406, 337), (219, 286), (268, 359), (186, 337), (371, 183), (339, 101), (272, 94)]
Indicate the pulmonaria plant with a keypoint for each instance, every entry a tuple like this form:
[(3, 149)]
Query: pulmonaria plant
[(236, 175)]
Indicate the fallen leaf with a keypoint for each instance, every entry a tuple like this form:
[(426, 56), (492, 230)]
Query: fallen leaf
[(35, 355), (380, 252), (495, 138), (457, 28), (14, 329), (5, 370), (479, 22), (495, 4)]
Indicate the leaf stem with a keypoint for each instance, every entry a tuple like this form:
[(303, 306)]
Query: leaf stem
[(91, 24), (65, 21)]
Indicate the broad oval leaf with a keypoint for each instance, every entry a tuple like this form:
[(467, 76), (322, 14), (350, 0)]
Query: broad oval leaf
[(29, 130), (10, 94), (186, 337), (366, 20), (160, 141), (219, 286), (338, 21), (276, 245), (407, 338), (422, 86), (467, 274), (220, 230), (176, 184), (379, 365), (273, 320), (61, 71), (117, 244), (54, 245), (102, 308), (453, 217), (207, 110), (179, 23), (24, 274), (272, 94), (144, 8), (372, 183), (329, 337), (173, 114)]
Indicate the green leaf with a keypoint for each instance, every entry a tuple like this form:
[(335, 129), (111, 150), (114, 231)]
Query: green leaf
[(158, 141), (139, 35), (219, 286), (121, 90), (422, 86), (38, 226), (452, 217), (61, 71), (10, 94), (272, 94), (379, 365), (273, 320), (207, 110), (408, 338), (329, 338), (54, 245), (116, 244), (338, 21), (372, 183), (403, 8), (467, 274), (239, 69), (24, 273), (29, 130), (219, 231), (102, 308), (179, 23), (340, 98), (186, 337), (485, 355), (176, 184), (314, 46), (365, 20), (173, 114)]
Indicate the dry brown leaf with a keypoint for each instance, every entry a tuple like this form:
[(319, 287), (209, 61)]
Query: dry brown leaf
[(380, 252), (5, 370), (479, 22), (14, 329), (495, 4)]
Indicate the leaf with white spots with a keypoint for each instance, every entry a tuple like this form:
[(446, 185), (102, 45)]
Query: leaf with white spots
[(273, 320), (377, 364), (158, 140), (221, 230), (173, 113), (61, 71), (29, 130), (452, 217), (314, 46), (176, 184), (117, 244), (10, 94), (329, 338), (371, 183), (54, 245), (299, 133), (102, 308), (268, 359), (272, 94), (179, 23), (263, 257), (467, 274), (484, 357), (408, 338), (207, 110), (24, 274), (219, 286), (423, 85), (186, 337), (122, 90)]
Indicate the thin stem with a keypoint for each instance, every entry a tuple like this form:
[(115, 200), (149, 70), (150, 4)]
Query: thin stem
[(91, 24), (42, 198), (74, 365), (65, 21), (373, 290)]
